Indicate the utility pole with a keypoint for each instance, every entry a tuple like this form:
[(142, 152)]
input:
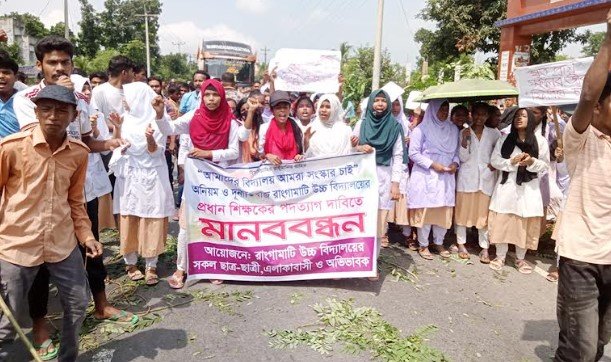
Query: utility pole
[(265, 50), (178, 44), (66, 28), (377, 51), (146, 39)]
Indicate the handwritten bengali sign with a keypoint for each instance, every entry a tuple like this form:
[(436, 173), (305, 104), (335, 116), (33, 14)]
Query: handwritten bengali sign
[(306, 70), (314, 219), (551, 84)]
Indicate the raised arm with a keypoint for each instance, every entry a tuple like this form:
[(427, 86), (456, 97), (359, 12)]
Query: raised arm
[(593, 83)]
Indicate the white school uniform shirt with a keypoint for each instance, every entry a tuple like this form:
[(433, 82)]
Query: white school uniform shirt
[(96, 181), (521, 200), (107, 98), (181, 126), (474, 174)]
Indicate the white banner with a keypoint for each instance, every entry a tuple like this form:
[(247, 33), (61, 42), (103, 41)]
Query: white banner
[(551, 84), (314, 219), (306, 70)]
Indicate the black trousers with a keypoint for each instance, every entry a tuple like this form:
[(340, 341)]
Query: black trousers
[(38, 297), (584, 310), (170, 163)]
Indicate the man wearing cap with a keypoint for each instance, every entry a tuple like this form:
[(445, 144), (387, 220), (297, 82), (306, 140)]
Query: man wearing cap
[(42, 175)]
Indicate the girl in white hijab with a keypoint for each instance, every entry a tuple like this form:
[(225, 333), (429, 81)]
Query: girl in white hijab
[(143, 195), (329, 135), (398, 215)]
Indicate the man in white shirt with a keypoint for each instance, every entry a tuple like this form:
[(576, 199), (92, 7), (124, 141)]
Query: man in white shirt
[(108, 97)]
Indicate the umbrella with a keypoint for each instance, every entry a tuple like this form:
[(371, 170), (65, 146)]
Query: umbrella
[(470, 89)]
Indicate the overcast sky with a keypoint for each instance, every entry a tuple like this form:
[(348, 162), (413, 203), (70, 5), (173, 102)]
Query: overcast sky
[(275, 24)]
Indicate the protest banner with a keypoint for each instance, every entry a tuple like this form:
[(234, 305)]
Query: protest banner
[(306, 70), (551, 84), (313, 219)]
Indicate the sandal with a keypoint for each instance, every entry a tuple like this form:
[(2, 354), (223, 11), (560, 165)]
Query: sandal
[(216, 281), (463, 254), (443, 252), (120, 318), (484, 258), (497, 264), (425, 253), (133, 273), (46, 345), (151, 276), (552, 276), (384, 241), (523, 266), (176, 281)]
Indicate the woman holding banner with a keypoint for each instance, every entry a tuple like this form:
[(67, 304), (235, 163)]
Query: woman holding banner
[(214, 135), (329, 135), (379, 130), (281, 138)]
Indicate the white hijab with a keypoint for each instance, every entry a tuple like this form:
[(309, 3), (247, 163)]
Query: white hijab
[(402, 118), (330, 137)]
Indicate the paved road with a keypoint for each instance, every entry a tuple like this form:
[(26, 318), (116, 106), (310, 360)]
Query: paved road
[(480, 315)]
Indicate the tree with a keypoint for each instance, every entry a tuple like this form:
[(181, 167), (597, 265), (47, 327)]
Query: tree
[(175, 66), (358, 73), (467, 26), (59, 29), (120, 24), (592, 43), (97, 63), (33, 26), (87, 41), (13, 50)]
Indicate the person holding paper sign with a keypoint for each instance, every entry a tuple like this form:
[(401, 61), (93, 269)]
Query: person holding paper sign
[(516, 207), (583, 232), (379, 130), (433, 148), (213, 135)]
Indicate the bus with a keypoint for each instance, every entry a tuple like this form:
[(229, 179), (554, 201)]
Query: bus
[(219, 56)]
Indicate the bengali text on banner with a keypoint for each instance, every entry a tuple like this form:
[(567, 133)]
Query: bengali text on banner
[(314, 219)]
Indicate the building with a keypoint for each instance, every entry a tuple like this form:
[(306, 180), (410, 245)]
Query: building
[(15, 30)]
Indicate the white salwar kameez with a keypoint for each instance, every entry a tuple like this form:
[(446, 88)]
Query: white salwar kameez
[(515, 210), (474, 185)]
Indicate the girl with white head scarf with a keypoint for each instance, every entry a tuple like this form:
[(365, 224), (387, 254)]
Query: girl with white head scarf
[(398, 215), (143, 195), (330, 136), (431, 190)]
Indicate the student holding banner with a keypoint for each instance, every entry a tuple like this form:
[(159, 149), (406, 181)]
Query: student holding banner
[(433, 148), (329, 135), (281, 138), (380, 130), (214, 136)]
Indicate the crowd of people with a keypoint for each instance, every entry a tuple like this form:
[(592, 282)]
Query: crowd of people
[(440, 167)]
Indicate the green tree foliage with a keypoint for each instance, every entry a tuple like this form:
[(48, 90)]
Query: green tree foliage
[(88, 41), (357, 69), (97, 63), (13, 50), (134, 50), (175, 66), (467, 26), (59, 29), (120, 23), (33, 26), (592, 43)]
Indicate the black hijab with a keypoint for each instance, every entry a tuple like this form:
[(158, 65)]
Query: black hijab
[(529, 146)]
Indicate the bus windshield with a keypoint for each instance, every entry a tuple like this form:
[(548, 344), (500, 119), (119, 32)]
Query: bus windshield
[(243, 70)]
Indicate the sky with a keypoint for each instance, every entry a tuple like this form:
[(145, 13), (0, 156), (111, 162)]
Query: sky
[(271, 24)]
